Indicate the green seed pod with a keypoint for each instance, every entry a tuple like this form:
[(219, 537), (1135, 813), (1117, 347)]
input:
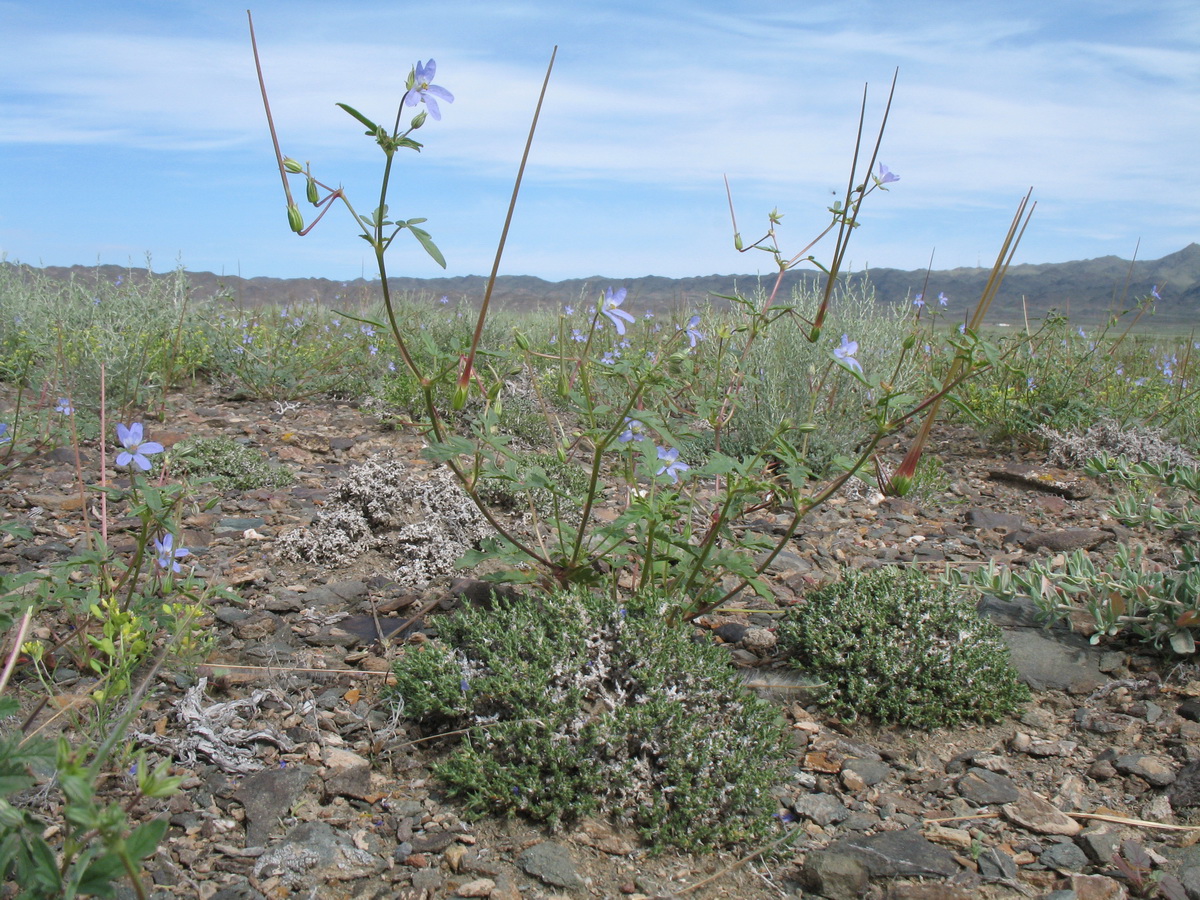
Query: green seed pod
[(313, 198), (295, 219), (910, 341), (737, 242), (522, 341), (460, 397), (292, 166)]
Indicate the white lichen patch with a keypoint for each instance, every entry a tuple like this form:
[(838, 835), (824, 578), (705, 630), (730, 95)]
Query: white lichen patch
[(421, 519)]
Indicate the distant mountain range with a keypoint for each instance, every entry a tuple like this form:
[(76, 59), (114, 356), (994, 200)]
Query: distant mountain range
[(1086, 290)]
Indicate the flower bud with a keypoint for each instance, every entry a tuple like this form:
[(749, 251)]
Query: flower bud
[(522, 341), (460, 396), (292, 166), (909, 341), (419, 119), (313, 197), (295, 220)]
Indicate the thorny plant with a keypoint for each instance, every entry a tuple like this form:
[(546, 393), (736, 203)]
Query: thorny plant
[(626, 410)]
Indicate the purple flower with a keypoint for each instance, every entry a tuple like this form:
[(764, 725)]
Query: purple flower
[(672, 465), (885, 176), (568, 310), (443, 300), (136, 450), (611, 308), (693, 334), (5, 437), (1154, 293), (421, 88), (919, 301), (64, 406), (578, 336), (846, 352), (943, 300), (633, 431), (167, 555)]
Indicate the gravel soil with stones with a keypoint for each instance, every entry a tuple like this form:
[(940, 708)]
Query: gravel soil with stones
[(298, 782)]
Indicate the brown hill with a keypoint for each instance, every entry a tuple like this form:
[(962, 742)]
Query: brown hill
[(1086, 289)]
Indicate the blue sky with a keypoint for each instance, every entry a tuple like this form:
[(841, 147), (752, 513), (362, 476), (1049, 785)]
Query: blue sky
[(129, 128)]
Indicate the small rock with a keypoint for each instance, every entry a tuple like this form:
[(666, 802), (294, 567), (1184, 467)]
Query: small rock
[(996, 865), (1097, 887), (480, 887), (1066, 540), (1153, 769), (1065, 857), (1037, 814), (759, 640), (551, 863), (824, 809), (1185, 791), (1099, 844), (984, 788), (836, 876)]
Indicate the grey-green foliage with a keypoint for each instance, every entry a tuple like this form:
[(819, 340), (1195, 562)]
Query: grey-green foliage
[(792, 379), (895, 647), (577, 705), (232, 465)]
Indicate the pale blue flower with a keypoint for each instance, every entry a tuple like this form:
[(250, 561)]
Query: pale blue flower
[(569, 310), (943, 300), (672, 466), (64, 406), (136, 450), (611, 308), (425, 91), (633, 431), (168, 556), (5, 437), (1154, 293), (919, 301), (443, 300), (885, 176), (846, 352), (694, 335)]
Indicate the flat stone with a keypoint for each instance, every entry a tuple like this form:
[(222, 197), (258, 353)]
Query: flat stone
[(267, 796), (312, 854), (824, 809), (1064, 857), (1159, 772), (1097, 887), (348, 774), (889, 854), (984, 788), (1046, 479), (989, 520), (870, 771), (551, 863), (928, 892), (835, 875), (1185, 790), (1066, 540), (996, 865), (1099, 843), (1037, 814), (480, 887)]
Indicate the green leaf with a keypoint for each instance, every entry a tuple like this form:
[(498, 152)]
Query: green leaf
[(142, 841), (99, 877), (372, 128), (430, 247), (1183, 643)]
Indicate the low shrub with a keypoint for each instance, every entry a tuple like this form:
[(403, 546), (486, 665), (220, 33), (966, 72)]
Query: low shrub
[(892, 646), (578, 705)]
